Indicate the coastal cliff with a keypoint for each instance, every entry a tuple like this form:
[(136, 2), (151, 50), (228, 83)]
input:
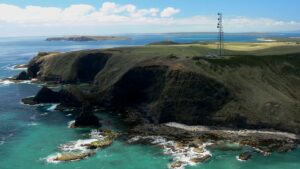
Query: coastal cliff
[(179, 83)]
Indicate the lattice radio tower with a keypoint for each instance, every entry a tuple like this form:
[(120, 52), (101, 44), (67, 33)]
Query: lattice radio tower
[(221, 35)]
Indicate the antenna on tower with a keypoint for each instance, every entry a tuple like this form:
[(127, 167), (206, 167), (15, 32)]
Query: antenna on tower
[(221, 35)]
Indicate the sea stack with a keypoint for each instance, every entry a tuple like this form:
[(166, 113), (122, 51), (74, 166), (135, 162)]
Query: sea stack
[(87, 117)]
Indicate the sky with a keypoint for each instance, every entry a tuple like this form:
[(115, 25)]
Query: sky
[(104, 17)]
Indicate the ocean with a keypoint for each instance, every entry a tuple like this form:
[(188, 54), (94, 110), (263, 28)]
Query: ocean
[(29, 135)]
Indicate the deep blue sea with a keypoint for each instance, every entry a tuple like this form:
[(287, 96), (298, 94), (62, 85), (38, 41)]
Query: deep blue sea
[(30, 134)]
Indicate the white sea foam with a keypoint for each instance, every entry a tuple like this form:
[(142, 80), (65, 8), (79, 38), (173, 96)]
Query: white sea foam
[(32, 124), (16, 67), (265, 40), (52, 107), (71, 123), (51, 158), (134, 139), (6, 82), (238, 158), (96, 134), (26, 82), (44, 114), (76, 145), (180, 154), (68, 115)]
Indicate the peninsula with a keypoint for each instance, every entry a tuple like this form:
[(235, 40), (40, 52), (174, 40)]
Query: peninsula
[(153, 88)]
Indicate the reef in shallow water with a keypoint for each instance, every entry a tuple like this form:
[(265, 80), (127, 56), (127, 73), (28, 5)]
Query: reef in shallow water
[(81, 149)]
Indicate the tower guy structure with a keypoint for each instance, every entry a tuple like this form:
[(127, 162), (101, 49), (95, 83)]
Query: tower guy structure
[(221, 35)]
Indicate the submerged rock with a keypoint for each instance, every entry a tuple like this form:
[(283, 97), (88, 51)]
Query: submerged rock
[(245, 156)]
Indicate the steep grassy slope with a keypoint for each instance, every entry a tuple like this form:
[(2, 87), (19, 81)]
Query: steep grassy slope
[(256, 86)]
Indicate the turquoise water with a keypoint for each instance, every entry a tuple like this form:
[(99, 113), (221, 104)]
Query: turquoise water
[(29, 134)]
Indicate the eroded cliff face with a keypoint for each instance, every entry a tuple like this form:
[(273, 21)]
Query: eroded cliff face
[(163, 94), (251, 93)]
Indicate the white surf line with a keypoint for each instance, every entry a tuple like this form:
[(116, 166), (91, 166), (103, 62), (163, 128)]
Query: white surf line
[(238, 132), (266, 40), (52, 107)]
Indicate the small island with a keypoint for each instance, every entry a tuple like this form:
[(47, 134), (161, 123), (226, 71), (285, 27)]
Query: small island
[(86, 38)]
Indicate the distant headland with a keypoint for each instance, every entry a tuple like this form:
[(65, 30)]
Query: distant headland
[(86, 38)]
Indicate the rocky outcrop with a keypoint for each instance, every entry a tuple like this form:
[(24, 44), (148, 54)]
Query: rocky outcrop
[(64, 157), (22, 76), (45, 95)]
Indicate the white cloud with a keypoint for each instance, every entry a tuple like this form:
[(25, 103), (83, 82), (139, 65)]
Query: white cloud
[(128, 18), (169, 11)]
